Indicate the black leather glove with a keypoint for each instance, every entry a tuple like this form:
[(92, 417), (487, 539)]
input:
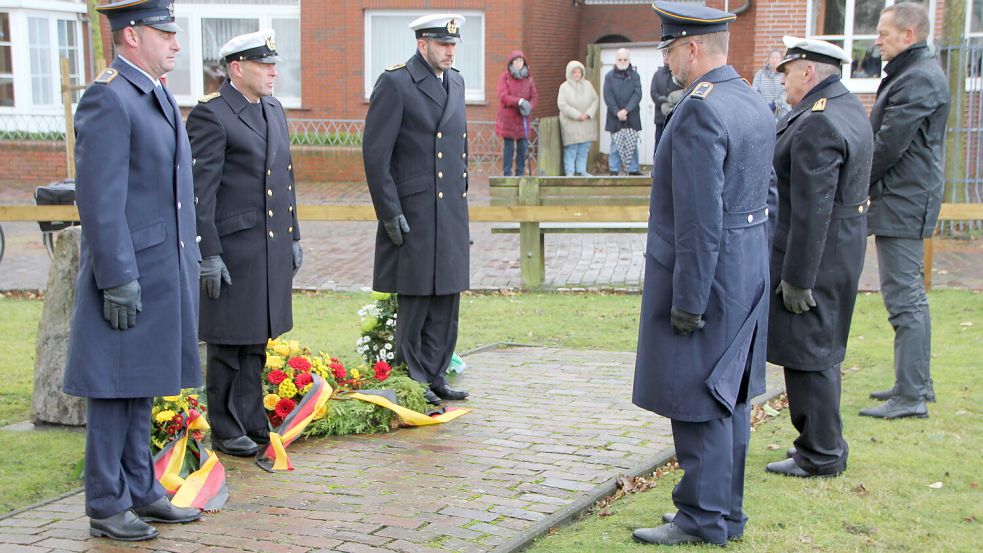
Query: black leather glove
[(120, 305), (298, 256), (213, 272), (395, 228), (685, 323), (797, 300)]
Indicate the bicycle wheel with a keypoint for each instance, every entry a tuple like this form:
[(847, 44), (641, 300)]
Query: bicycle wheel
[(2, 243), (49, 243)]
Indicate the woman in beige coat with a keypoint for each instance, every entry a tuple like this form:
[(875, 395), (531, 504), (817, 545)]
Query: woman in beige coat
[(577, 101)]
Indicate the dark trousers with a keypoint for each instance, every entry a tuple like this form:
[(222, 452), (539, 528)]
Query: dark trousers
[(658, 136), (900, 263), (712, 454), (235, 391), (518, 146), (119, 470), (426, 334), (814, 407)]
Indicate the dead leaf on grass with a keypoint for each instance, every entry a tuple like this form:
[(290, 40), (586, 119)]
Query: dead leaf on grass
[(969, 518), (935, 485), (974, 485), (605, 513), (966, 323), (805, 539), (860, 489), (773, 447), (551, 532)]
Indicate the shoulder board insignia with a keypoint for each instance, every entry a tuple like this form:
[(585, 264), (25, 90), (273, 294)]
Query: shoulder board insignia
[(107, 76), (702, 90), (820, 105), (395, 66), (209, 97)]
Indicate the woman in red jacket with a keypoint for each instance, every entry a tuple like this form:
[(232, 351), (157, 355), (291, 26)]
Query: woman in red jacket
[(516, 100)]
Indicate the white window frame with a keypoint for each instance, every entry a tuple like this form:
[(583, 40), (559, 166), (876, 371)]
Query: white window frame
[(473, 33), (860, 86), (19, 11), (191, 38)]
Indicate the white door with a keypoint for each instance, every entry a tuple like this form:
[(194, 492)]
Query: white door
[(647, 59)]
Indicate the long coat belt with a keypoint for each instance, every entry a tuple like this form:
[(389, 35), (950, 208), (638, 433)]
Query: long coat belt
[(744, 219)]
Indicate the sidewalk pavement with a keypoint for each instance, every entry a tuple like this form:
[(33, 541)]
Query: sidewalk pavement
[(338, 256), (549, 430)]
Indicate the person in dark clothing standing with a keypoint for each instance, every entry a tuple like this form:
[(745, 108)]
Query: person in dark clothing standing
[(416, 163), (701, 335), (662, 86), (906, 179), (250, 239), (623, 95), (135, 319), (822, 161)]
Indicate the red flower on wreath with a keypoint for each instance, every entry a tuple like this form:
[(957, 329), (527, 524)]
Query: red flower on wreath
[(284, 407), (382, 370), (303, 379), (338, 371), (275, 420), (299, 364), (276, 376)]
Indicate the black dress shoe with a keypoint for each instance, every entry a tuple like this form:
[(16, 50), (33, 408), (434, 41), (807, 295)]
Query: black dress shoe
[(636, 173), (446, 392), (669, 517), (123, 526), (790, 452), (789, 467), (260, 440), (884, 395), (431, 397), (667, 534), (163, 510), (240, 447)]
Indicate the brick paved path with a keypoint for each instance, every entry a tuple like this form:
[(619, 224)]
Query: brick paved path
[(549, 426), (338, 255)]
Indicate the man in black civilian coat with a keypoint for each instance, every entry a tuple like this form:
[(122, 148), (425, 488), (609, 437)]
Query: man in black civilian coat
[(250, 241), (415, 150), (822, 159), (662, 85)]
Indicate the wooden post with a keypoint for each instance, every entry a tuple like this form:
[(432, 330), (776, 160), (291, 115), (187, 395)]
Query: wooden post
[(929, 251), (550, 147), (532, 262), (594, 76), (66, 97)]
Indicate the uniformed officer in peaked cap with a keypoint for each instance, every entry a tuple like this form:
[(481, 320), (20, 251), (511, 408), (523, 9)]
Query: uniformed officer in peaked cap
[(135, 321), (250, 239), (822, 160), (702, 332), (415, 149)]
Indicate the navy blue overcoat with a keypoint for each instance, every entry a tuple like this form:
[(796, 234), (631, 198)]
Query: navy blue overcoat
[(415, 150), (707, 252), (136, 202)]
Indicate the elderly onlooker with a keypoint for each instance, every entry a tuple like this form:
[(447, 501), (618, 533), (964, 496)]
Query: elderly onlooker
[(666, 94), (623, 95), (577, 102), (768, 83), (908, 119), (516, 99)]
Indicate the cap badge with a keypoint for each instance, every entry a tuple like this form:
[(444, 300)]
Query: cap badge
[(452, 26), (170, 10), (270, 42)]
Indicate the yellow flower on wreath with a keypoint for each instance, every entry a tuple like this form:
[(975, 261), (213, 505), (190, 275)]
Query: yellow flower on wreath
[(270, 401), (173, 398), (165, 416), (321, 412), (287, 389), (355, 374), (274, 362), (282, 349)]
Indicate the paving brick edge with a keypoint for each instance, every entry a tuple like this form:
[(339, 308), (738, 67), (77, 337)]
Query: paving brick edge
[(576, 510)]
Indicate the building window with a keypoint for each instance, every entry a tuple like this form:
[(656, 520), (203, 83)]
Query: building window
[(389, 40), (6, 63), (207, 27), (48, 40), (852, 25)]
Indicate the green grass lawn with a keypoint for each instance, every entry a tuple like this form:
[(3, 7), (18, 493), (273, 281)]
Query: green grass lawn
[(883, 502), (886, 500)]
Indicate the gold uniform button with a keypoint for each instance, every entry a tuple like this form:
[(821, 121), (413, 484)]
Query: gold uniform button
[(290, 229), (269, 192), (271, 234), (268, 172), (440, 134), (440, 155), (440, 174), (440, 194), (270, 213)]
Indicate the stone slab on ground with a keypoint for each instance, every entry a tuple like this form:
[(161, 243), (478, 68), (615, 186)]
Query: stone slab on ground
[(548, 427)]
